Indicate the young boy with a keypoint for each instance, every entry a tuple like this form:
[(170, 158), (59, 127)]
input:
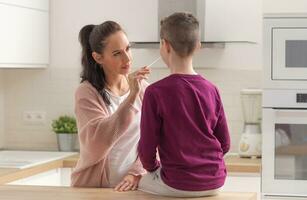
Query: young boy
[(182, 117)]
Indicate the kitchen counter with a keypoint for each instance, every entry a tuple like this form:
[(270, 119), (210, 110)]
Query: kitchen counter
[(292, 150), (233, 163), (236, 164), (9, 174), (67, 193)]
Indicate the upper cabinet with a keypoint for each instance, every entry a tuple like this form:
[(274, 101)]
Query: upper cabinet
[(232, 20), (35, 4), (138, 18), (142, 16), (24, 35), (220, 20)]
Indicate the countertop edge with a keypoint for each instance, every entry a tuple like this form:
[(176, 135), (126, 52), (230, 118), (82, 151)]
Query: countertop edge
[(233, 164)]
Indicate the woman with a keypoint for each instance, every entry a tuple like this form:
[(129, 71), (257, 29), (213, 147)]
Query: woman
[(107, 107)]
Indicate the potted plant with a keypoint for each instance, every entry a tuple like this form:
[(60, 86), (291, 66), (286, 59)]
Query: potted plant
[(65, 128)]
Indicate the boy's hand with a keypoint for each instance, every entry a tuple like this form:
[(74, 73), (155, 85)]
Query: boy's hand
[(129, 182)]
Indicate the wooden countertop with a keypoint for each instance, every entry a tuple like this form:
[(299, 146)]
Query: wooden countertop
[(292, 150), (242, 165), (233, 163), (67, 193)]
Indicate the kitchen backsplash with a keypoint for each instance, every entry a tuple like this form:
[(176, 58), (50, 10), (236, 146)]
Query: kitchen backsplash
[(52, 91)]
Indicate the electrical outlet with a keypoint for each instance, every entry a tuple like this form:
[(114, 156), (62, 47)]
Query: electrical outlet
[(34, 117)]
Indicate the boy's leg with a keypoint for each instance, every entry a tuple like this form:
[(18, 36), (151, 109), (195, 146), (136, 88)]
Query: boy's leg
[(152, 183)]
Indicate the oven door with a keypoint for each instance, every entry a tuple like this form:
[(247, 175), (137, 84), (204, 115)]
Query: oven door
[(289, 54), (284, 156)]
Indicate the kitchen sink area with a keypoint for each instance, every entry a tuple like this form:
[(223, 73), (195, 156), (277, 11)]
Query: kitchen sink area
[(26, 159)]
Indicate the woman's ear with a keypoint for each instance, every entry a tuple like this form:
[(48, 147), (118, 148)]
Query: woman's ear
[(98, 58)]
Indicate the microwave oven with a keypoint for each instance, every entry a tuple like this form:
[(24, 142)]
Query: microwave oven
[(285, 51)]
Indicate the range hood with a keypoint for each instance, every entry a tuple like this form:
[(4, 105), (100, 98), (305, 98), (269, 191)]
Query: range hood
[(168, 7), (197, 8)]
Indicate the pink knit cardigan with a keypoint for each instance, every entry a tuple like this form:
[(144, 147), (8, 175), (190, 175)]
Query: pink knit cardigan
[(98, 131)]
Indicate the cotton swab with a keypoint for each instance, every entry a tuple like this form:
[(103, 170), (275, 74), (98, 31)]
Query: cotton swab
[(154, 61)]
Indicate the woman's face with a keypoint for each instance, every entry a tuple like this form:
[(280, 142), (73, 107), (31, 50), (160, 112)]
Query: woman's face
[(116, 57)]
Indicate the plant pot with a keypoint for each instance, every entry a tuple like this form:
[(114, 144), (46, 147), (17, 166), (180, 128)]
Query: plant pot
[(66, 141)]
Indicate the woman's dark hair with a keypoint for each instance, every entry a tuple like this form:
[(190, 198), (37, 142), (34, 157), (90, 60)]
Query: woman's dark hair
[(93, 39)]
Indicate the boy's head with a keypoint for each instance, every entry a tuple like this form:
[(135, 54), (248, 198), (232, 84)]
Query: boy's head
[(181, 31)]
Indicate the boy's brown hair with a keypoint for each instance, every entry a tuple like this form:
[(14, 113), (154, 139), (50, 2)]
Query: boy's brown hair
[(181, 30)]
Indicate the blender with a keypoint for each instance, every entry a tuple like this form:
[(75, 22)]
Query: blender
[(250, 142)]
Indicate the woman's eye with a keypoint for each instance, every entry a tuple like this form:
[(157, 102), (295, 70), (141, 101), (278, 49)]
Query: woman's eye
[(128, 48), (116, 54)]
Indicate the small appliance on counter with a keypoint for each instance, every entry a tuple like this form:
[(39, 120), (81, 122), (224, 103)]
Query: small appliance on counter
[(250, 142)]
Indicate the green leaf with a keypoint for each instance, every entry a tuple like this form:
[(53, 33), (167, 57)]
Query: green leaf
[(64, 124)]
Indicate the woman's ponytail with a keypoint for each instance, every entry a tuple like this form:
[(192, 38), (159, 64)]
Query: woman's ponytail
[(93, 39), (84, 39)]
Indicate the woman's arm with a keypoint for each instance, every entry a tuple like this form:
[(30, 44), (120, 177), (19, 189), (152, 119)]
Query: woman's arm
[(98, 130), (137, 168), (131, 180)]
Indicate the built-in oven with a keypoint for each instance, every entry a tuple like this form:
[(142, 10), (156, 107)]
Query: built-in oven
[(284, 150), (285, 51)]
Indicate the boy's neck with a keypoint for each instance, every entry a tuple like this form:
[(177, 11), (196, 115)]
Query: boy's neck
[(180, 65)]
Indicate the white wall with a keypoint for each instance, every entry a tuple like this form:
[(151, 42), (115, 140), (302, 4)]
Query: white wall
[(50, 90), (236, 66), (1, 111)]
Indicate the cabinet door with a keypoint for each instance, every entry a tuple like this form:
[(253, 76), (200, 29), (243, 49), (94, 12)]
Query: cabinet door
[(232, 20), (139, 18), (24, 37), (36, 4)]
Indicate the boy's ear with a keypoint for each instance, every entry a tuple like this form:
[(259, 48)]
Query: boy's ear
[(167, 45), (97, 57), (198, 45)]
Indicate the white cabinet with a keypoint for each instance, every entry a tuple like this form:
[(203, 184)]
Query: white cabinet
[(56, 177), (284, 6), (138, 18), (220, 20), (36, 4), (141, 15), (24, 35), (243, 182), (232, 20)]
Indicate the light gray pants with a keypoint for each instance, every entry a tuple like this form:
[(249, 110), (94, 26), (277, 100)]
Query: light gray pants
[(152, 183)]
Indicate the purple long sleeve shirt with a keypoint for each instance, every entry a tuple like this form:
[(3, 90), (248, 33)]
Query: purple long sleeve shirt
[(183, 118)]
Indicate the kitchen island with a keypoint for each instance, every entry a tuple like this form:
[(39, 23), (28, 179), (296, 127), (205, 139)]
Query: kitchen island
[(24, 192)]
